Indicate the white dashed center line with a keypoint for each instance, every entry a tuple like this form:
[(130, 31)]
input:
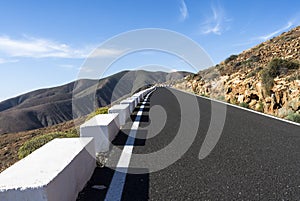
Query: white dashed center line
[(118, 181)]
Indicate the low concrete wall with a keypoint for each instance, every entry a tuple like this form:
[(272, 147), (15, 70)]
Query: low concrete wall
[(60, 169), (103, 128), (57, 171), (136, 100), (122, 110), (138, 97), (130, 102)]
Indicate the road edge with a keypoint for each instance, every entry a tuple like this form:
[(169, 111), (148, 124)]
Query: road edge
[(239, 107)]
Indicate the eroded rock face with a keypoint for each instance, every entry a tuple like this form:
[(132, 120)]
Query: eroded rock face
[(239, 79), (284, 99)]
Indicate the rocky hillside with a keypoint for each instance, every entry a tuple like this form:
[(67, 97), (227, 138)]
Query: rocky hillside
[(47, 107), (265, 78)]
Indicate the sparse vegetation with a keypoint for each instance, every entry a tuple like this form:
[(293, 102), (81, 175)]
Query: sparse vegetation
[(233, 101), (221, 98), (221, 69), (258, 46), (231, 58), (260, 107), (243, 104), (37, 142), (294, 77), (294, 117), (277, 64), (204, 95), (267, 80), (193, 76), (101, 110), (253, 73), (253, 58), (275, 68), (288, 38)]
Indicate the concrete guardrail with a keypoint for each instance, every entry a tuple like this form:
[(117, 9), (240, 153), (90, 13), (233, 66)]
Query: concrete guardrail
[(57, 171), (130, 102), (60, 169), (103, 128), (122, 110)]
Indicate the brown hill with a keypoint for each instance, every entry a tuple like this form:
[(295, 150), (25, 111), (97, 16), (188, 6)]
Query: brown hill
[(47, 107)]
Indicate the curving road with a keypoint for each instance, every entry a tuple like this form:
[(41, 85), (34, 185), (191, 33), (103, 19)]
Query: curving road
[(255, 158)]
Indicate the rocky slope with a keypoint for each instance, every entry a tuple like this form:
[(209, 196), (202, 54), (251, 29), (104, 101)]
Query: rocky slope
[(265, 78)]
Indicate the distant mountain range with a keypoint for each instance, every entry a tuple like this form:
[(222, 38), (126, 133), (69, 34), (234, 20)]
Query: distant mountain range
[(47, 107)]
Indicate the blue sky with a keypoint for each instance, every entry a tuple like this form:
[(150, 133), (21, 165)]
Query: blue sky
[(44, 43)]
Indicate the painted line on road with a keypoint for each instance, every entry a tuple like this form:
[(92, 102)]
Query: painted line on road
[(118, 181)]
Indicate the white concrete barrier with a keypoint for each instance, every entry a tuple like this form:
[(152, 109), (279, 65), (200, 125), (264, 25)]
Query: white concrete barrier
[(130, 102), (104, 128), (141, 94), (136, 100), (137, 96), (57, 171), (123, 111)]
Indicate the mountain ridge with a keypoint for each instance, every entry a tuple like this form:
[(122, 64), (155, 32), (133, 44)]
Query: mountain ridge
[(50, 106)]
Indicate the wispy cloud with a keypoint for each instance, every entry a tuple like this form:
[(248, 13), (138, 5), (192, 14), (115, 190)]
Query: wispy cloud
[(217, 22), (3, 61), (38, 48), (31, 47), (184, 13), (243, 43), (274, 33), (87, 69), (67, 66), (268, 36), (107, 52)]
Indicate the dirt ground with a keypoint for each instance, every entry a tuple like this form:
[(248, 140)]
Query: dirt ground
[(10, 143)]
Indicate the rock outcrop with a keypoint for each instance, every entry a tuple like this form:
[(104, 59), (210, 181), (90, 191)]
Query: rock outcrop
[(238, 79)]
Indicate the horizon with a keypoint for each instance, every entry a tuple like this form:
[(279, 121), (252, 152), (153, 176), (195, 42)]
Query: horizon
[(44, 45), (68, 82)]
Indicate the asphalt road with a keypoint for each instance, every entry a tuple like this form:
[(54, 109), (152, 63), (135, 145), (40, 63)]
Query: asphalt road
[(255, 158)]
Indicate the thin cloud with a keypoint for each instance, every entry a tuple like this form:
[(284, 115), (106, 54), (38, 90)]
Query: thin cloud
[(268, 36), (86, 69), (274, 33), (217, 22), (38, 48), (106, 52), (249, 42), (44, 48), (67, 66), (3, 61), (184, 13)]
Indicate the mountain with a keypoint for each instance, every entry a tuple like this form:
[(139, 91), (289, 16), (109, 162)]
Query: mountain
[(47, 107), (265, 78)]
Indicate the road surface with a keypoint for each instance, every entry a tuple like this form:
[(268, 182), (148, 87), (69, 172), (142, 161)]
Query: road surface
[(256, 157)]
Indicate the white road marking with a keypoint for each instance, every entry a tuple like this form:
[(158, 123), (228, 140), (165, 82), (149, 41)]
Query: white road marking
[(118, 181)]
